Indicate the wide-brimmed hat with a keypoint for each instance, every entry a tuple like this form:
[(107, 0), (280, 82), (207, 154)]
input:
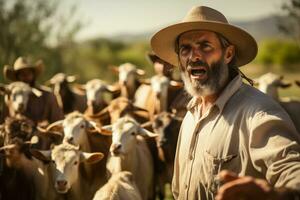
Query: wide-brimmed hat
[(20, 64), (204, 18)]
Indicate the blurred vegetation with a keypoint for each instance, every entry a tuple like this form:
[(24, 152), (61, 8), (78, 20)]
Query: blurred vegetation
[(32, 28), (291, 26), (279, 53)]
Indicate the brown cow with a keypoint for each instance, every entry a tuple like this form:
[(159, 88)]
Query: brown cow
[(67, 97)]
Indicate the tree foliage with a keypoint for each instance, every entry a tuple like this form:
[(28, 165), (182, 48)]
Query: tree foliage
[(284, 54), (291, 25), (30, 27)]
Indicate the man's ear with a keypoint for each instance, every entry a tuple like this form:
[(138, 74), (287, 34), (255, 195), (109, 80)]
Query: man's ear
[(229, 54)]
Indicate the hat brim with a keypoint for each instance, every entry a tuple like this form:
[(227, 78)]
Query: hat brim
[(163, 42), (10, 73)]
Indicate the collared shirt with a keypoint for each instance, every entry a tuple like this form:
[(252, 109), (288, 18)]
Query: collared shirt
[(246, 132)]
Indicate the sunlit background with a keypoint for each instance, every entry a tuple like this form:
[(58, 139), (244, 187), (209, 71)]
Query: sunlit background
[(86, 37)]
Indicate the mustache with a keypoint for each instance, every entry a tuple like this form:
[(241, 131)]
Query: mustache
[(197, 63)]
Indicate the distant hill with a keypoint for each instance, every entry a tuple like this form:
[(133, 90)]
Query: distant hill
[(260, 29)]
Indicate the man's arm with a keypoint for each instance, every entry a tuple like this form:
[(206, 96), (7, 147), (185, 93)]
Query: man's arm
[(275, 152)]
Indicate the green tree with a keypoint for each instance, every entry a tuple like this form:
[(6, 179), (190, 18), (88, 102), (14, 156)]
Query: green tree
[(35, 28), (291, 24)]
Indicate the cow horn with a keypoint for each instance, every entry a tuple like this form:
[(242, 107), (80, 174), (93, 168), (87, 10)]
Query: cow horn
[(146, 124), (140, 72), (54, 124)]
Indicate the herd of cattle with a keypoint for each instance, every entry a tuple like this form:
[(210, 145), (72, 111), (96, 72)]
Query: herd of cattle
[(116, 141)]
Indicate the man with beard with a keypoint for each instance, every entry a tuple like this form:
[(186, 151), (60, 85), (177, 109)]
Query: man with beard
[(43, 109), (234, 142)]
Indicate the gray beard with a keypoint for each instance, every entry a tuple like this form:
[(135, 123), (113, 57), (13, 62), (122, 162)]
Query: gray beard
[(217, 76)]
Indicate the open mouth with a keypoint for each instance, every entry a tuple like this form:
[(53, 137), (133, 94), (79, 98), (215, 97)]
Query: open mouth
[(198, 72), (61, 190)]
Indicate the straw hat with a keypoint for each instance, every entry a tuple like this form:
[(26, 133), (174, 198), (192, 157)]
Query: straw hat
[(20, 64), (204, 18)]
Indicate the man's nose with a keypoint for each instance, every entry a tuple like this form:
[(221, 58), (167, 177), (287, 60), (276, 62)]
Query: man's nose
[(195, 55)]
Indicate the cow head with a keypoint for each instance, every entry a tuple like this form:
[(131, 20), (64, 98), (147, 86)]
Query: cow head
[(17, 96), (269, 84), (67, 159), (124, 135), (60, 83)]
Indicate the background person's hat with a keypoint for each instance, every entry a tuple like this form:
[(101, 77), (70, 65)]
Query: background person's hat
[(152, 57), (204, 18), (20, 64)]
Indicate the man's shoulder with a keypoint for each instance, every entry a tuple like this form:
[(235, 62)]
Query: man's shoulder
[(251, 98)]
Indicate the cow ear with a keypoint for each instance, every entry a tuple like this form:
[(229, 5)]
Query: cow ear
[(106, 130), (176, 84), (146, 81), (79, 87), (115, 69), (91, 158), (113, 88), (3, 89), (41, 155), (283, 84), (71, 79), (36, 92), (140, 72), (145, 133)]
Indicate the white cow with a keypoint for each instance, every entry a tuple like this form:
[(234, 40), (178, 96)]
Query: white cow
[(16, 96), (129, 152), (120, 186), (95, 90), (78, 130), (269, 84), (68, 177), (129, 79)]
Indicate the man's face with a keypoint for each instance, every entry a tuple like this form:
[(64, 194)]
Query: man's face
[(26, 75), (203, 64)]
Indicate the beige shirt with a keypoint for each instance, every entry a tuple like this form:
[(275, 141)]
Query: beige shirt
[(245, 131)]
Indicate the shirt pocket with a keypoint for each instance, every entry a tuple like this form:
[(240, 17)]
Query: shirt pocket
[(212, 167)]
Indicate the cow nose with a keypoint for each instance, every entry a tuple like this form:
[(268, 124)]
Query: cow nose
[(61, 183), (115, 148), (21, 106), (70, 140)]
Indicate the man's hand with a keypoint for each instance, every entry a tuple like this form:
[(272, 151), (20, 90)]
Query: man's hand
[(246, 188)]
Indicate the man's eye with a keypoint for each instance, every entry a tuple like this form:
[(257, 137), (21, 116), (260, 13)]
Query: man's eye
[(206, 47), (184, 50)]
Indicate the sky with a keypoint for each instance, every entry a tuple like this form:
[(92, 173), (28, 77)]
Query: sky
[(113, 17)]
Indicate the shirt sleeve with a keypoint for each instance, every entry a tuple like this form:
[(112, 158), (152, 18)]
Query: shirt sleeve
[(176, 172), (274, 148)]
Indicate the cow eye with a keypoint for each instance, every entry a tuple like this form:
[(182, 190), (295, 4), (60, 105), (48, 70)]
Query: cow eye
[(133, 133), (76, 162), (82, 126)]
